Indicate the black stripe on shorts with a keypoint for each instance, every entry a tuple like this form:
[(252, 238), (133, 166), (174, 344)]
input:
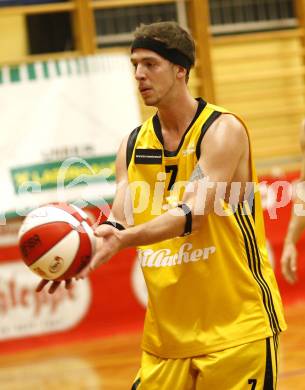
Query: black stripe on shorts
[(136, 384), (268, 382)]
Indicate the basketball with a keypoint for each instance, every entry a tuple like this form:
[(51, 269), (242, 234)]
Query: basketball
[(56, 241)]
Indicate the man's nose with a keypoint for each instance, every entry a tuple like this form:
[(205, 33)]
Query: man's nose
[(139, 73)]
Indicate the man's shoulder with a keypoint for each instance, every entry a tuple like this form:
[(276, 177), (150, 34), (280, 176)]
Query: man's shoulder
[(230, 122), (224, 110), (144, 123), (228, 119), (227, 130), (134, 132), (221, 109), (134, 135)]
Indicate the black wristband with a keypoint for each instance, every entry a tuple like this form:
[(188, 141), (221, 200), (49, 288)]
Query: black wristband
[(114, 224), (188, 219)]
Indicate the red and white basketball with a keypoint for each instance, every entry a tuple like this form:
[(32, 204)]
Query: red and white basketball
[(56, 241)]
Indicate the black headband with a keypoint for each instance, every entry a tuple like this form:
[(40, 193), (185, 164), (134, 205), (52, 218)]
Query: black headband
[(173, 55)]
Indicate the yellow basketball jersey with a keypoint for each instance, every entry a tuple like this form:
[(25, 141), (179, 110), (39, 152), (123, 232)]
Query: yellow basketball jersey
[(215, 288)]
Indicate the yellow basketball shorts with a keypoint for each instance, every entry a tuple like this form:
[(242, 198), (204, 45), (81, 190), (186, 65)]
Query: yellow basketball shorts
[(250, 366)]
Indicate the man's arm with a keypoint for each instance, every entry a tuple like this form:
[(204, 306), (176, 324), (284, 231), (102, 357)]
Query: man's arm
[(120, 210), (296, 225), (222, 152)]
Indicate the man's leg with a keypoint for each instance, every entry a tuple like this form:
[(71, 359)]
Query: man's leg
[(250, 366), (164, 374)]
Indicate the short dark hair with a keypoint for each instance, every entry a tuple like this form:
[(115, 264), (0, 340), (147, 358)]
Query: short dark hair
[(170, 33)]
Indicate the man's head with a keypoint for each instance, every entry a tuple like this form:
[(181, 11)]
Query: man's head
[(169, 40), (162, 54)]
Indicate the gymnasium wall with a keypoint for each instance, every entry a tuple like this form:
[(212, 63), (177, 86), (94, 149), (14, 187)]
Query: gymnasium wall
[(13, 39), (261, 77)]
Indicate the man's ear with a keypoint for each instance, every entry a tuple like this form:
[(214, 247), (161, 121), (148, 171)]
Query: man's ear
[(181, 72)]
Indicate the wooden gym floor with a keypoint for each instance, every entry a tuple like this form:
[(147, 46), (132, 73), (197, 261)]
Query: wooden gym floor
[(112, 363)]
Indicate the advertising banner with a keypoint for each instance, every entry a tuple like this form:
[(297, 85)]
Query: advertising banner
[(114, 298), (61, 125)]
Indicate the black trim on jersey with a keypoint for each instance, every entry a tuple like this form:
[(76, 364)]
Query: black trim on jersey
[(268, 381), (256, 267), (136, 384), (158, 130), (204, 129), (131, 144), (276, 345), (258, 256), (251, 260), (254, 262), (251, 203)]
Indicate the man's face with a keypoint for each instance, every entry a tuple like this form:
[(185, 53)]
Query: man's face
[(155, 76)]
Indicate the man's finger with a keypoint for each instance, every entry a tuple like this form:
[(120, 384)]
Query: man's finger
[(68, 284), (53, 287), (292, 268), (289, 274), (294, 264), (293, 276), (94, 263), (41, 285), (84, 272), (290, 278)]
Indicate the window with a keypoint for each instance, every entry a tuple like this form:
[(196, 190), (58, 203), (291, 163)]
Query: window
[(115, 25), (236, 16)]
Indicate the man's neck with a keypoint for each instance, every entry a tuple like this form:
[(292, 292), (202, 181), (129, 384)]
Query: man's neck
[(178, 114)]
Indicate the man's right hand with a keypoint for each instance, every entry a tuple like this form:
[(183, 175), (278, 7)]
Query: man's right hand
[(289, 262), (54, 285)]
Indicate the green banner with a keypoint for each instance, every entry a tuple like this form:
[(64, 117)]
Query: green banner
[(75, 170)]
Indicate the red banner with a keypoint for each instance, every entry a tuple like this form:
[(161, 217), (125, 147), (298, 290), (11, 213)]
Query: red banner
[(276, 229), (113, 299)]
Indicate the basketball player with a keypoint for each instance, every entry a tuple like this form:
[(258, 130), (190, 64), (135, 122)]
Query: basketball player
[(296, 225), (214, 310)]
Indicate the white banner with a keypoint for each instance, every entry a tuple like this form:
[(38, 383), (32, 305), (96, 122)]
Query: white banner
[(61, 124), (25, 313)]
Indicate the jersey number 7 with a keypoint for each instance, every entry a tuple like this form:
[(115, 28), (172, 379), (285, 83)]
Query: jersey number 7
[(173, 169)]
